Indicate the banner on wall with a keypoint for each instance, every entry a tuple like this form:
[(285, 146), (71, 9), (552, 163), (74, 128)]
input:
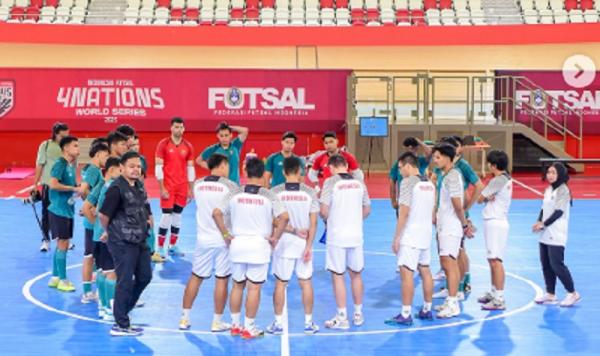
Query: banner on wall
[(584, 100), (97, 99)]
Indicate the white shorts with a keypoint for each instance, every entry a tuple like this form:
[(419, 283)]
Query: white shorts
[(255, 273), (341, 258), (449, 245), (208, 259), (412, 257), (283, 268), (496, 234)]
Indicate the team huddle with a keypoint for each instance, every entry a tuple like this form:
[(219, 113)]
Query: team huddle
[(270, 222)]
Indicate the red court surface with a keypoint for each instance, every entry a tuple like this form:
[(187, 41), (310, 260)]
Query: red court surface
[(528, 186)]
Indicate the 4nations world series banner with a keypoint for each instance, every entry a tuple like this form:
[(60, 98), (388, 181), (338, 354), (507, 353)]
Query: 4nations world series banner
[(97, 99)]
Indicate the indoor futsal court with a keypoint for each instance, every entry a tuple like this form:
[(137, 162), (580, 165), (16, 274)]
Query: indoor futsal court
[(299, 177), (60, 324)]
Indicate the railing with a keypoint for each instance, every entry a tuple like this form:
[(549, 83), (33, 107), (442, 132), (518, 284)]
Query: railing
[(493, 97)]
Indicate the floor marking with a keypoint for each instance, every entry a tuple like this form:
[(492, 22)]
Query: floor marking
[(26, 291), (535, 191)]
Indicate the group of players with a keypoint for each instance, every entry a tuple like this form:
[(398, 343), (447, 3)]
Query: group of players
[(272, 219)]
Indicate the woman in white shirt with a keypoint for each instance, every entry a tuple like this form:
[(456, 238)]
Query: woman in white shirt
[(553, 226)]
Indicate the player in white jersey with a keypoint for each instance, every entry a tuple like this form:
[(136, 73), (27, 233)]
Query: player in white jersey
[(497, 197), (212, 253), (451, 224), (412, 240), (293, 253), (345, 204), (252, 209)]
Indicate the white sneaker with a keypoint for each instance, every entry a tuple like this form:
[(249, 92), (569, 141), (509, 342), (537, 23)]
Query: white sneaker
[(108, 315), (442, 294), (547, 299), (45, 246), (358, 319), (570, 300), (219, 326), (439, 276), (460, 296), (89, 297), (184, 324), (448, 310), (101, 313), (337, 323)]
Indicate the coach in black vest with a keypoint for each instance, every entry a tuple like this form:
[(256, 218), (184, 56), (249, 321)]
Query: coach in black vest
[(126, 216)]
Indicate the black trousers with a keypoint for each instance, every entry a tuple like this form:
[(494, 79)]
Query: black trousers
[(134, 272), (553, 266), (45, 215)]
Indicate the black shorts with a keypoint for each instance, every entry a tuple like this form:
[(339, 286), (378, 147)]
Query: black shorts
[(89, 243), (102, 256), (61, 227)]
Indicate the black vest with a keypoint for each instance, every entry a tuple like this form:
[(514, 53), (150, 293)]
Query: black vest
[(130, 223)]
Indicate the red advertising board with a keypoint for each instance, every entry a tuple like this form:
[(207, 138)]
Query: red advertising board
[(585, 101), (97, 99)]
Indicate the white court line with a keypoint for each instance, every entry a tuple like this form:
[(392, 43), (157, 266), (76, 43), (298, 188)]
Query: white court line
[(25, 189), (26, 291), (528, 187), (285, 337)]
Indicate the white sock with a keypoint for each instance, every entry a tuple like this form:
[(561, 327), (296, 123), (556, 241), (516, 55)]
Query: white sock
[(235, 319), (358, 308), (186, 314), (248, 323), (342, 313), (452, 300), (279, 319), (493, 290), (217, 318), (499, 294), (308, 318), (427, 306), (406, 311)]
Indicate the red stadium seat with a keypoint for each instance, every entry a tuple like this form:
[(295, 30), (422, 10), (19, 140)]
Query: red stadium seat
[(52, 3), (192, 14), (164, 3), (17, 13), (252, 14), (587, 4), (326, 4), (251, 4), (445, 4), (358, 17), (176, 14), (32, 13), (417, 17), (268, 4), (430, 4), (237, 14), (341, 4), (372, 15), (570, 5), (36, 3), (402, 16)]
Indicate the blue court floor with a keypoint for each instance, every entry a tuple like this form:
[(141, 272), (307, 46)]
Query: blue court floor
[(35, 319)]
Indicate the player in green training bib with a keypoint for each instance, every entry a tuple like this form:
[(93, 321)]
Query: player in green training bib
[(274, 166), (63, 188), (91, 177), (227, 146)]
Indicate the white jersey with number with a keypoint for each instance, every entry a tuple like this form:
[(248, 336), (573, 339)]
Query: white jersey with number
[(345, 196), (208, 193), (252, 210), (418, 194), (448, 223), (299, 201), (500, 188)]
